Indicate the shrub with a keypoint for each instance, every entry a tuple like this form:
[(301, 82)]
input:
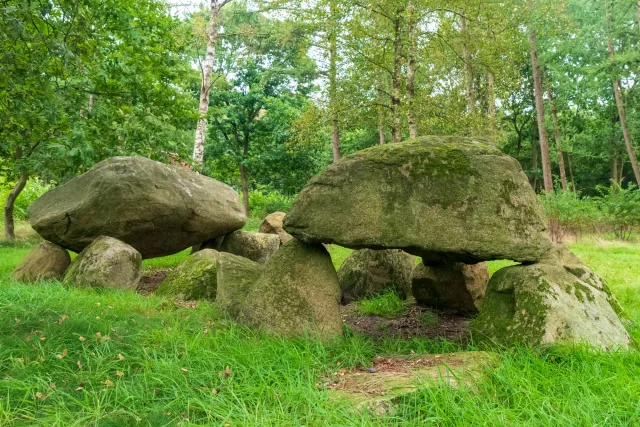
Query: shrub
[(387, 305), (262, 202), (620, 209)]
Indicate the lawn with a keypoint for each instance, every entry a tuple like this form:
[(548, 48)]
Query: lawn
[(78, 357)]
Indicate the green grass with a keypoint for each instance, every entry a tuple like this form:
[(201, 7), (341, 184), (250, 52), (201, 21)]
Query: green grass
[(171, 357), (388, 305), (429, 319)]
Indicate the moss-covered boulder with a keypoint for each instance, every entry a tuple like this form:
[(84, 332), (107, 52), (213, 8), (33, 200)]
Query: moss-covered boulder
[(542, 304), (236, 276), (441, 198), (194, 279), (297, 292), (450, 286), (47, 261), (368, 272), (106, 263), (258, 247), (272, 224), (156, 208)]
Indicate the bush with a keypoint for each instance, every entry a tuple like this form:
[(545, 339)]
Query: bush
[(616, 210), (264, 202), (35, 188)]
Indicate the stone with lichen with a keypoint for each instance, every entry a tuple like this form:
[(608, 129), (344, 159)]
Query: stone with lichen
[(47, 261), (236, 276), (106, 263), (368, 272), (297, 293), (194, 279)]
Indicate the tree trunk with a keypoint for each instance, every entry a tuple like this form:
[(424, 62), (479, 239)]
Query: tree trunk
[(492, 100), (9, 225), (244, 179), (535, 157), (205, 88), (412, 22), (333, 83), (614, 173), (542, 129), (620, 104), (556, 133), (396, 134), (380, 114), (468, 67)]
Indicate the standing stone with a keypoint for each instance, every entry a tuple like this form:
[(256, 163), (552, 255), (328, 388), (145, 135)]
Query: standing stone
[(441, 198), (450, 286), (297, 292), (156, 208), (257, 247), (236, 276), (369, 272), (47, 261), (194, 279), (272, 224), (559, 302), (106, 263)]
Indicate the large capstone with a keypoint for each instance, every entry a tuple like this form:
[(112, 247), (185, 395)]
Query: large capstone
[(450, 286), (156, 208), (106, 263), (297, 293), (561, 301), (441, 198), (47, 261), (194, 279), (368, 272)]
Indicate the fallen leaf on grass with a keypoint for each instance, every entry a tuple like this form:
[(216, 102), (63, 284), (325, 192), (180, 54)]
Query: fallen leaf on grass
[(226, 373), (79, 365), (184, 370), (62, 319), (61, 356), (83, 339), (119, 374), (51, 386), (41, 396), (20, 359), (108, 382), (120, 356), (43, 339)]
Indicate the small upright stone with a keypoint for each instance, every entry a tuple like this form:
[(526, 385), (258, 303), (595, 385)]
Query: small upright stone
[(194, 279), (236, 276), (47, 261), (258, 247), (272, 224), (106, 263), (368, 272), (297, 292), (450, 286)]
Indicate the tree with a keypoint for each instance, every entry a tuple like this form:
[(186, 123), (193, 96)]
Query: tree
[(207, 70)]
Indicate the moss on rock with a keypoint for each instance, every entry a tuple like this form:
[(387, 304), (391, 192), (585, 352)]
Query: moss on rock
[(194, 279), (47, 261), (441, 198), (369, 272), (543, 304), (106, 263), (297, 292), (236, 276)]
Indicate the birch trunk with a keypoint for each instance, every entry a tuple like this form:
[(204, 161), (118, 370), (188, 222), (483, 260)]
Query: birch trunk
[(205, 87), (542, 129), (620, 104)]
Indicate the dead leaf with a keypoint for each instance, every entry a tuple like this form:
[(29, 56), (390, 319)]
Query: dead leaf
[(120, 356), (52, 386), (215, 391), (41, 359), (119, 374), (61, 356), (184, 370), (41, 396), (62, 319), (43, 339), (79, 365), (227, 372), (20, 359), (83, 339), (28, 338), (108, 382)]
